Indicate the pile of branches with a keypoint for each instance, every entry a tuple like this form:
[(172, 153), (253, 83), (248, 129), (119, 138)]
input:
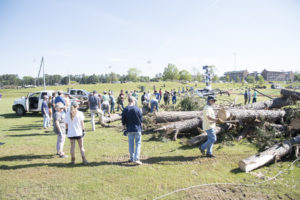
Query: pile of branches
[(261, 122)]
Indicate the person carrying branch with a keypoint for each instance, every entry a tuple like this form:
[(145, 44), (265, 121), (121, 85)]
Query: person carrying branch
[(209, 125)]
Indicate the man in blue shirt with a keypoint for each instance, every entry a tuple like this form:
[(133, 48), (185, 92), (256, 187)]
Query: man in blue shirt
[(132, 123), (45, 112), (94, 105), (60, 98)]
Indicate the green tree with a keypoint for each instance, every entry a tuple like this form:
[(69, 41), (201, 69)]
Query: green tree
[(238, 79), (112, 77), (261, 79), (297, 76), (185, 75), (250, 79), (28, 80), (133, 74), (215, 78), (199, 77), (170, 72), (227, 78)]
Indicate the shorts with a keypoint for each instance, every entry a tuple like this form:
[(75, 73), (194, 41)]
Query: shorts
[(76, 137)]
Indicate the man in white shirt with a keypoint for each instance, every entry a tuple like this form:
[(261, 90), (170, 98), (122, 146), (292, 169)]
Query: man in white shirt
[(209, 125)]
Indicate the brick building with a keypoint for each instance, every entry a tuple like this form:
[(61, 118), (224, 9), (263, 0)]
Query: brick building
[(277, 76), (233, 75)]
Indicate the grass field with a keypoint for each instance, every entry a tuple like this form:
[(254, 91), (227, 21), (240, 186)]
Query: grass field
[(29, 168)]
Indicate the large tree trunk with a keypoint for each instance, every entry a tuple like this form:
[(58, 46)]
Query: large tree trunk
[(250, 115), (270, 155), (165, 117), (112, 118), (181, 126), (290, 94), (274, 103), (200, 139)]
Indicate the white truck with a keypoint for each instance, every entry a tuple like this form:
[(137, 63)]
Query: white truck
[(31, 103), (79, 93)]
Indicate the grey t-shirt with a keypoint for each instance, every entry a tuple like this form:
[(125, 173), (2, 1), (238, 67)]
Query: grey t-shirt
[(60, 117)]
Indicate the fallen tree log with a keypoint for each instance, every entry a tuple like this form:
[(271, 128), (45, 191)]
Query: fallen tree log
[(165, 117), (181, 126), (270, 155), (262, 93), (270, 104), (250, 115), (290, 94), (112, 118), (200, 139)]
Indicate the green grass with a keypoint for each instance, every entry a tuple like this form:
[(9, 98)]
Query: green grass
[(29, 168)]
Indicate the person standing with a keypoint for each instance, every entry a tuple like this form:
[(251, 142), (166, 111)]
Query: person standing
[(120, 101), (132, 123), (75, 131), (112, 102), (105, 104), (254, 96), (94, 105), (53, 103), (68, 102), (249, 95), (45, 112), (245, 97), (160, 95), (136, 96), (174, 98), (60, 98), (60, 129), (209, 125)]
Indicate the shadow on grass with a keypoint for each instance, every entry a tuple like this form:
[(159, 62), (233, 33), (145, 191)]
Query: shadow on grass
[(153, 160), (30, 135), (25, 157), (27, 127), (13, 115), (236, 171)]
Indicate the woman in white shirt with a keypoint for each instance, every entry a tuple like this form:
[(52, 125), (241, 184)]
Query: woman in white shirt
[(75, 130)]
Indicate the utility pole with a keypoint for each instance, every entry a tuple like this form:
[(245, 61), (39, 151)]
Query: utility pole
[(42, 65)]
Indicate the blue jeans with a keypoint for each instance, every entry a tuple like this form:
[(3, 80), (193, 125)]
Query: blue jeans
[(211, 139), (112, 107), (46, 122), (122, 106), (154, 104), (137, 136)]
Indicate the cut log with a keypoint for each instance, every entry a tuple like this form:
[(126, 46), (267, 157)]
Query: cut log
[(200, 139), (278, 127), (274, 103), (250, 115), (295, 124), (112, 118), (290, 94), (165, 117), (270, 155), (181, 126)]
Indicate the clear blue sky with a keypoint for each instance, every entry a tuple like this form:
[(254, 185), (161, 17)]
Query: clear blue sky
[(89, 36)]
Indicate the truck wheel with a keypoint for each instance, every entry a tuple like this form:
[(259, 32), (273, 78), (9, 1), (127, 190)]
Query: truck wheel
[(20, 111)]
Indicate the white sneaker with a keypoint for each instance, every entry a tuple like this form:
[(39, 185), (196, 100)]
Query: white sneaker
[(138, 162)]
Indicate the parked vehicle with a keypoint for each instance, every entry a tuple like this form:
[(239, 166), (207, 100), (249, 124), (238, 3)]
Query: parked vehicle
[(33, 102), (276, 86), (79, 93)]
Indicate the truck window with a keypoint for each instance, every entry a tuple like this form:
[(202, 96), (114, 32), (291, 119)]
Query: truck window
[(73, 92), (36, 95), (44, 94), (79, 92)]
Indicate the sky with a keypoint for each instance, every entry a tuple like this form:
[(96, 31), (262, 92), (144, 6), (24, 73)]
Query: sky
[(95, 37)]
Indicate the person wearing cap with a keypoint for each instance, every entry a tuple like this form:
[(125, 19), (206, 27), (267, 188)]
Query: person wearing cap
[(132, 124), (94, 105), (45, 112), (60, 129), (120, 101), (209, 125), (75, 131)]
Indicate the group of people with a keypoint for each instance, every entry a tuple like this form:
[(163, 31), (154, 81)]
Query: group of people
[(247, 96), (68, 121)]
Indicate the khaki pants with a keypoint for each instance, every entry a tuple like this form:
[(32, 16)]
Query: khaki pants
[(93, 113)]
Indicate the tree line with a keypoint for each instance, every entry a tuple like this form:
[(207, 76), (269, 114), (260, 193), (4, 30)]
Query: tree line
[(170, 73)]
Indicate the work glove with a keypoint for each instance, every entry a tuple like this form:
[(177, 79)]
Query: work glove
[(220, 121)]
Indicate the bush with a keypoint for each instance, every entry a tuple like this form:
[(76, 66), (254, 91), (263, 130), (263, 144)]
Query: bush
[(190, 104)]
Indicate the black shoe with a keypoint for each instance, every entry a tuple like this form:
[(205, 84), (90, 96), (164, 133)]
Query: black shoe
[(202, 151), (210, 156)]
